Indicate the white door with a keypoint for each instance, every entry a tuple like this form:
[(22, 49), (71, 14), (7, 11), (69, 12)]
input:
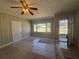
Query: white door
[(16, 30)]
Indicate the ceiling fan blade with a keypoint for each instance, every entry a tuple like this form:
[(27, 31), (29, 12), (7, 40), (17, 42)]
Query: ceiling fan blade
[(25, 1), (33, 8), (22, 3), (15, 7), (30, 12), (22, 12)]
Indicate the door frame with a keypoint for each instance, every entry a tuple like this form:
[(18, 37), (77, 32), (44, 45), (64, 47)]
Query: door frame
[(14, 35)]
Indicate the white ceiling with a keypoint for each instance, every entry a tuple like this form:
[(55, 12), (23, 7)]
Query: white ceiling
[(47, 8)]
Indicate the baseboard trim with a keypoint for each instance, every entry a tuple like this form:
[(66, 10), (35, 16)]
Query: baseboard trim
[(2, 46), (5, 45)]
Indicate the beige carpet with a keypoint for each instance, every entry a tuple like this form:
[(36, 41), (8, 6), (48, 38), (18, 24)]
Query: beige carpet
[(24, 50)]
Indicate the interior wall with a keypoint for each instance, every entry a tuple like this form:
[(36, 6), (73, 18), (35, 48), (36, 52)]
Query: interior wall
[(44, 20), (6, 28), (26, 29), (76, 29), (73, 26), (70, 16)]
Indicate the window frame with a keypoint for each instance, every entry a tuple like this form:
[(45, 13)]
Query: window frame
[(64, 28), (46, 28)]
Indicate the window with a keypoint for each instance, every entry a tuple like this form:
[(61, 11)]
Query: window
[(41, 27), (48, 27), (34, 27), (63, 26), (44, 27)]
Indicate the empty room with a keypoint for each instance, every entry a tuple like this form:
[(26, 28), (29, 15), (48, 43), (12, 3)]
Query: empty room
[(39, 29)]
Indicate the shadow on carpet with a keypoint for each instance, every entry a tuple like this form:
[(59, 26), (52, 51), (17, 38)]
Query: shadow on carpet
[(67, 53), (46, 41)]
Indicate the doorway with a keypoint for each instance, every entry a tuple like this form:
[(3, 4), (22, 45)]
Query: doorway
[(16, 30), (63, 32)]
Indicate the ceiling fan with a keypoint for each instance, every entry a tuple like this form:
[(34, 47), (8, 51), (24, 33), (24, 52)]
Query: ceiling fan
[(25, 7)]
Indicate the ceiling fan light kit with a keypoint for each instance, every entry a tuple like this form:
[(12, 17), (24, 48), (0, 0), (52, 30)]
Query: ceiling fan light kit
[(25, 7)]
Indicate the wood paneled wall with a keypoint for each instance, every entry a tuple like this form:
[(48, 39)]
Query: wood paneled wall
[(6, 28)]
